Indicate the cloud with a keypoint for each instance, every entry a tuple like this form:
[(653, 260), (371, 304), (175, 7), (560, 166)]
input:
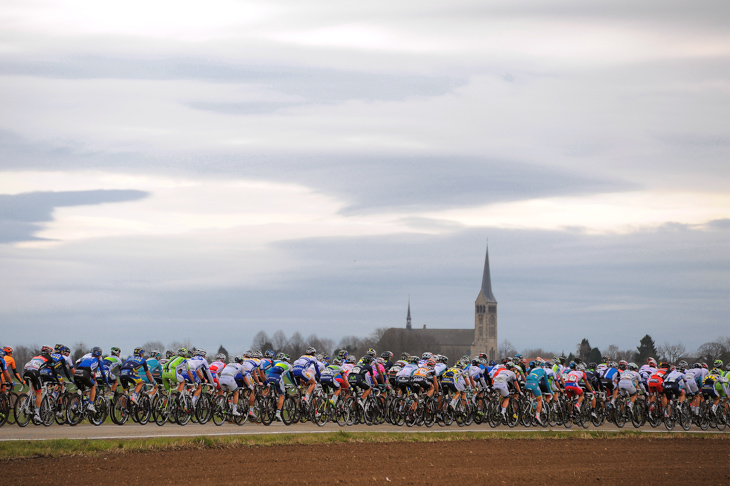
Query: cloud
[(20, 213)]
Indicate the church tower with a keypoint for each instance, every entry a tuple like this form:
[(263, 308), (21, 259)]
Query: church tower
[(485, 317)]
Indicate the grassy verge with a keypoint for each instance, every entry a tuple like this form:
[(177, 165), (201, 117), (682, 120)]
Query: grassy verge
[(69, 447)]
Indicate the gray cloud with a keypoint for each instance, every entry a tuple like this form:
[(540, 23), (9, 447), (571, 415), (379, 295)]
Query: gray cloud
[(20, 213), (313, 85)]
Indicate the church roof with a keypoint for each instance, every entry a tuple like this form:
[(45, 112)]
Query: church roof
[(487, 280), (448, 337)]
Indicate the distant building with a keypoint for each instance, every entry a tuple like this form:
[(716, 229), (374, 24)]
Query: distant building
[(454, 343)]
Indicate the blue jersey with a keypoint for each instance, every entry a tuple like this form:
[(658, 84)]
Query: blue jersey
[(155, 369), (133, 364)]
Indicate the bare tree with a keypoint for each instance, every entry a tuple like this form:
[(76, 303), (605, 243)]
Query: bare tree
[(79, 350), (611, 351), (671, 352), (712, 351), (261, 341), (538, 352), (296, 346), (279, 340), (175, 345), (150, 346), (506, 349)]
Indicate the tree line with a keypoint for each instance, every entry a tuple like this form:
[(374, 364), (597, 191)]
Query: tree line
[(403, 341)]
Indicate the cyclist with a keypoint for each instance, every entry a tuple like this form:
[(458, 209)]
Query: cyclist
[(279, 371), (173, 370), (32, 373), (501, 379), (388, 360), (331, 378), (110, 368), (155, 367), (199, 370), (85, 373), (712, 386), (130, 373), (4, 373), (537, 383), (576, 376), (452, 381), (217, 367), (227, 379), (10, 365), (629, 382), (361, 377), (673, 386), (305, 370)]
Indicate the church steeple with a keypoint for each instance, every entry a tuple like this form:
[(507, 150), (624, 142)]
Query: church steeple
[(408, 319), (487, 279)]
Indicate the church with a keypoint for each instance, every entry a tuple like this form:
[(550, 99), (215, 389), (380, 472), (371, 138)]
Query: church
[(454, 343)]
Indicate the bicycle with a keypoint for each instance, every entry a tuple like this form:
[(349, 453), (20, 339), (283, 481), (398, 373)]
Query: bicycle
[(25, 408)]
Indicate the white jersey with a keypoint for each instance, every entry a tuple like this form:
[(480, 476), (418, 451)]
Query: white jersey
[(232, 369), (407, 370), (631, 376), (439, 368), (646, 371)]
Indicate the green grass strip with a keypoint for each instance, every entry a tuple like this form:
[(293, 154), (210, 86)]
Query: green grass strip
[(71, 447)]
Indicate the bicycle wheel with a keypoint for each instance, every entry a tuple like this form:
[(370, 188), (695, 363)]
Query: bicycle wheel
[(183, 409), (59, 410), (319, 409), (494, 414), (4, 409), (75, 411), (600, 413), (638, 417), (620, 413), (23, 410), (268, 410), (161, 410), (685, 416), (47, 411), (143, 409), (219, 411), (203, 409), (721, 417), (526, 413), (120, 409), (102, 409)]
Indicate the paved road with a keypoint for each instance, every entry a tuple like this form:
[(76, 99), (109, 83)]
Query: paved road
[(132, 431)]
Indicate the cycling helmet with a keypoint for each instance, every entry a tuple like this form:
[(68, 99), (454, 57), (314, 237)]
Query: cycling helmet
[(351, 359), (400, 363), (201, 352), (183, 352), (459, 365), (248, 353), (509, 365), (431, 363), (727, 366), (413, 359), (718, 363), (426, 355), (96, 351), (682, 365), (444, 359), (337, 362), (651, 362), (697, 366), (367, 359), (138, 351), (563, 358), (386, 355), (58, 347), (622, 365), (605, 359), (320, 357), (665, 365), (238, 359), (343, 354), (269, 353), (572, 365), (404, 356), (483, 356), (2, 353), (8, 350), (258, 354), (592, 365), (475, 361), (285, 357), (633, 367), (581, 367), (46, 350), (311, 350), (220, 357), (556, 361), (116, 351), (380, 361), (169, 354)]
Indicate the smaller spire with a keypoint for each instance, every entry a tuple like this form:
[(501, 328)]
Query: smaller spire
[(408, 318)]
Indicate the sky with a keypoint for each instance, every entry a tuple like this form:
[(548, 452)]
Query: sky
[(180, 170)]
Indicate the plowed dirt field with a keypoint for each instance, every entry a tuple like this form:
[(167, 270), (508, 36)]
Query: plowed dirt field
[(644, 461)]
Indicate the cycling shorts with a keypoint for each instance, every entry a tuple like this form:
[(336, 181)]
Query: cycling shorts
[(573, 389), (228, 382), (277, 380), (34, 377), (656, 386), (672, 390), (534, 388), (83, 379), (303, 374), (357, 381)]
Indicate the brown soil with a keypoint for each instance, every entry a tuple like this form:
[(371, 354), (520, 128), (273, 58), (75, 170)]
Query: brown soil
[(474, 462)]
